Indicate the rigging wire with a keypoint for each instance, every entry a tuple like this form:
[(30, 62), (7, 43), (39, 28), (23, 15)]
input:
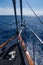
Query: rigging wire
[(21, 11), (14, 4), (33, 31), (34, 12), (35, 35), (40, 22)]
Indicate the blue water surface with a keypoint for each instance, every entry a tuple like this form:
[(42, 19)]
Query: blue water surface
[(34, 46)]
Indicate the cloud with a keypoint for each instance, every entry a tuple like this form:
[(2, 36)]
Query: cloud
[(10, 11), (6, 11)]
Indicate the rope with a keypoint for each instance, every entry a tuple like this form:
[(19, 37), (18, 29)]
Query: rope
[(34, 12)]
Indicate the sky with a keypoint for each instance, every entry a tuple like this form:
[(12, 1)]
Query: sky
[(6, 7)]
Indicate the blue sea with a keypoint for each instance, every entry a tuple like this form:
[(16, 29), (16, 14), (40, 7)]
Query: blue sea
[(34, 46)]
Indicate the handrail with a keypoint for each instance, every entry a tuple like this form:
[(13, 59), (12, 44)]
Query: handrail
[(29, 59), (5, 43)]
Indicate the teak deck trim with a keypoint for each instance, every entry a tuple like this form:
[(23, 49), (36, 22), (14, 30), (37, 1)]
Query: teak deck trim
[(7, 42), (29, 59)]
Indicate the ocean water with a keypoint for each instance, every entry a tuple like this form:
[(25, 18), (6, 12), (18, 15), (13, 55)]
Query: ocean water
[(34, 46)]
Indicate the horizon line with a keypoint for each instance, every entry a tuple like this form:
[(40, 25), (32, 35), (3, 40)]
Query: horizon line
[(28, 12)]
